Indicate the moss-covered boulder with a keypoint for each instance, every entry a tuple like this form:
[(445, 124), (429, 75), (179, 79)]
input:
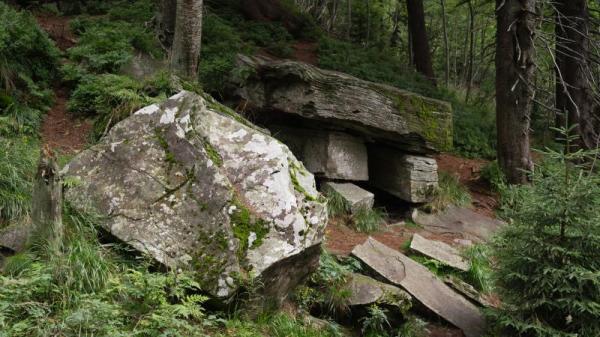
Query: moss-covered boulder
[(298, 93), (196, 187)]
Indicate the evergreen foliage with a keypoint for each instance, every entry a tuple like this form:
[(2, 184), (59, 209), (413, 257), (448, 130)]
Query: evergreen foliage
[(549, 256), (28, 60)]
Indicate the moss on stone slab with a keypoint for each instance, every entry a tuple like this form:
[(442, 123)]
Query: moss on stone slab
[(213, 154), (244, 223)]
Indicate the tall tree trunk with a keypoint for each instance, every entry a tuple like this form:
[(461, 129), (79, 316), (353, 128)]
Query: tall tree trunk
[(166, 15), (368, 22), (446, 45), (515, 67), (573, 92), (469, 78), (188, 37), (349, 31), (420, 42), (46, 204)]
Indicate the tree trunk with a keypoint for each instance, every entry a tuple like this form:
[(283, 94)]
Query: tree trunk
[(469, 78), (165, 21), (349, 31), (446, 46), (573, 91), (46, 204), (515, 53), (420, 42), (188, 37)]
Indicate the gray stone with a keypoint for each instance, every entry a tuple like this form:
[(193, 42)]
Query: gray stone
[(409, 177), (439, 251), (463, 222), (193, 185), (295, 91), (424, 286), (366, 291), (468, 291), (328, 154), (14, 237), (355, 197), (143, 66)]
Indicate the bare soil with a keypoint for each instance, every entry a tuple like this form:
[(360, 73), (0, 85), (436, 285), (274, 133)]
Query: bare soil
[(61, 130)]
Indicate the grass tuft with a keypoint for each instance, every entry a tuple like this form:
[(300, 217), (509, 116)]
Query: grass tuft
[(449, 192), (368, 220)]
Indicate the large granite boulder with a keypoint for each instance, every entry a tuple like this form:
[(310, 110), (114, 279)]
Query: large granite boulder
[(281, 91), (194, 186)]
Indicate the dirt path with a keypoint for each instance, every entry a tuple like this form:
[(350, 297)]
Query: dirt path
[(61, 130)]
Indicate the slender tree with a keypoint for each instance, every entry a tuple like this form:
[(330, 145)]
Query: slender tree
[(165, 17), (574, 99), (446, 44), (419, 40), (515, 67), (185, 52)]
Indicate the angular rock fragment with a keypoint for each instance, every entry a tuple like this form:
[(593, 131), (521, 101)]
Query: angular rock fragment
[(409, 177), (366, 291), (463, 222), (439, 251), (353, 196), (424, 286), (195, 186), (468, 291)]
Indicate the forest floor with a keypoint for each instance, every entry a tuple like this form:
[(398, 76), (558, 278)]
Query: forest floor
[(60, 129)]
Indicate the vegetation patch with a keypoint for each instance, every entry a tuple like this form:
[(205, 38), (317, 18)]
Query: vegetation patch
[(249, 229), (449, 192)]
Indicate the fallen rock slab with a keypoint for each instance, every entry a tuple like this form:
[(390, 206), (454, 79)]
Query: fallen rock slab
[(409, 177), (439, 251), (424, 286), (195, 186), (468, 291), (284, 90), (459, 221), (354, 197), (365, 291)]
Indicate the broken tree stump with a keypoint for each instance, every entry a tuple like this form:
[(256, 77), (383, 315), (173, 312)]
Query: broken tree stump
[(46, 203)]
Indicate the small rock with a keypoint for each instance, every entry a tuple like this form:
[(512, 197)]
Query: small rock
[(366, 291), (355, 197), (439, 251), (461, 221)]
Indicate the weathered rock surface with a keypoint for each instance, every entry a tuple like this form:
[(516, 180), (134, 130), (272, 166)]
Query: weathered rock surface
[(439, 251), (283, 89), (365, 291), (194, 186), (468, 291), (327, 154), (464, 222), (424, 286), (14, 237), (355, 197), (409, 177)]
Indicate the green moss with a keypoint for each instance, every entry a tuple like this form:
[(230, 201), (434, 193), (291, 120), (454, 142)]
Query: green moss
[(244, 223), (294, 170), (213, 154), (169, 156)]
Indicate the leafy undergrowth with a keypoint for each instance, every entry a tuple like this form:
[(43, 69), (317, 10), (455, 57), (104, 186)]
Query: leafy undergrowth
[(90, 289)]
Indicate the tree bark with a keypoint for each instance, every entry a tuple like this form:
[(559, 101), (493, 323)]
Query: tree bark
[(446, 45), (420, 42), (165, 21), (46, 204), (187, 39), (574, 99), (515, 53), (349, 31), (469, 78)]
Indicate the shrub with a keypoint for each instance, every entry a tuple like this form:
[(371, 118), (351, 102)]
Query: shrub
[(28, 59), (549, 256), (18, 158)]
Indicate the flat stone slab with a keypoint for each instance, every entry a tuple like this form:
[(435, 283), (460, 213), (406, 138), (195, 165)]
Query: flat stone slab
[(464, 222), (423, 285), (355, 197), (439, 251), (468, 291), (366, 290), (408, 177)]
